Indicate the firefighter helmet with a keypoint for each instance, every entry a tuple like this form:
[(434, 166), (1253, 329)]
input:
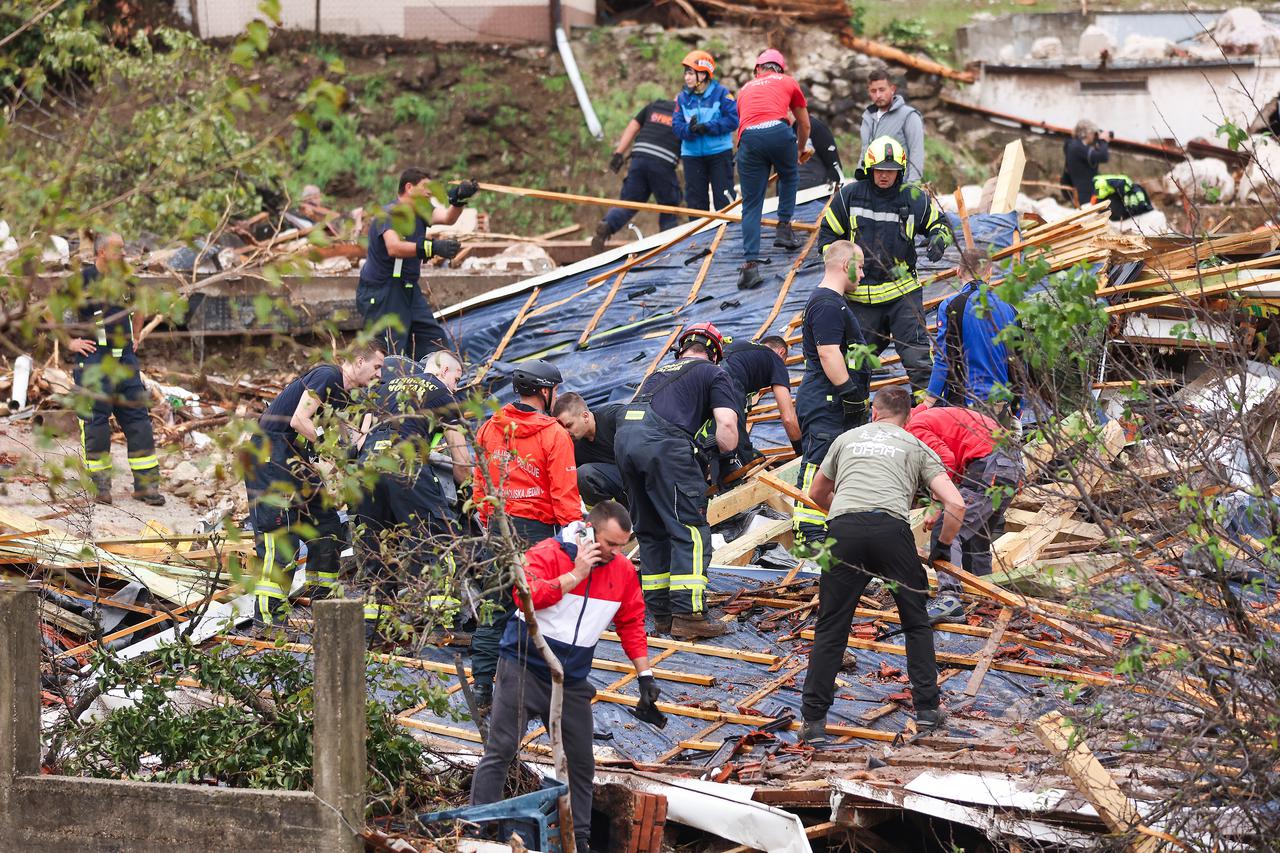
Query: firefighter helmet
[(707, 335)]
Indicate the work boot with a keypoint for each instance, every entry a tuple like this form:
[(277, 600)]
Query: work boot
[(149, 495), (697, 627), (602, 234), (662, 625), (814, 732), (784, 237), (101, 490), (146, 487), (945, 608), (929, 718), (749, 277)]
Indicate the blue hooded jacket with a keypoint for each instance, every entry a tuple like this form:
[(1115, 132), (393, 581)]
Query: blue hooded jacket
[(716, 109)]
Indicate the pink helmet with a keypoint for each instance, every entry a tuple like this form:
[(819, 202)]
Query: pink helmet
[(773, 56)]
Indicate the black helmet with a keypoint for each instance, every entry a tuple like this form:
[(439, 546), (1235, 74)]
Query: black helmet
[(531, 377)]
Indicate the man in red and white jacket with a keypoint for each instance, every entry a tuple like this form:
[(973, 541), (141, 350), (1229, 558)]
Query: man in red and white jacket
[(579, 586)]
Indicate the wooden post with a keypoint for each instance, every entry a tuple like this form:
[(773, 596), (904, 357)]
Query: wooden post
[(1009, 180), (19, 685), (340, 764)]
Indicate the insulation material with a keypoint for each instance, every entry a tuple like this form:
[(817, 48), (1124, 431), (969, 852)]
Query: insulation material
[(1207, 179), (1094, 42), (1243, 31)]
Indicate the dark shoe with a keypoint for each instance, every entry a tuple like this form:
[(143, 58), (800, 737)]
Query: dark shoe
[(814, 732), (602, 234), (101, 489), (749, 277), (784, 237), (697, 627), (945, 608), (929, 719), (149, 496), (662, 625)]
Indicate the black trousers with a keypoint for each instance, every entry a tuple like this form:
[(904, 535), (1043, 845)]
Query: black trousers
[(488, 634), (822, 420), (900, 322), (713, 170), (421, 334), (118, 392), (600, 481), (647, 176), (518, 696), (867, 544)]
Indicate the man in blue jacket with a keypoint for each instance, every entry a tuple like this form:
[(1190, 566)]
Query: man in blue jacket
[(705, 119)]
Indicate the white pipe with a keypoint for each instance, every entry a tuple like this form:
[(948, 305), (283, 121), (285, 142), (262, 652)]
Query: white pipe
[(21, 383), (584, 101)]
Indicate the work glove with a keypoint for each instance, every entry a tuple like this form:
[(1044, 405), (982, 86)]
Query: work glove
[(441, 248), (645, 709), (615, 162), (937, 246), (459, 193), (938, 551), (798, 446), (853, 399), (698, 128)]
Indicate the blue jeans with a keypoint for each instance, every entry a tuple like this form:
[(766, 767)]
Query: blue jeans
[(646, 176), (759, 151), (713, 169)]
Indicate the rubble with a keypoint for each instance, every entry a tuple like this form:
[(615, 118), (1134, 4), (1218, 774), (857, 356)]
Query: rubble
[(1201, 180)]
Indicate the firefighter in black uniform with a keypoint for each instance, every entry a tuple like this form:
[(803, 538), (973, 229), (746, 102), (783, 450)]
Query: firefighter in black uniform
[(884, 217), (287, 500), (106, 372), (833, 393), (755, 368), (656, 455), (401, 518)]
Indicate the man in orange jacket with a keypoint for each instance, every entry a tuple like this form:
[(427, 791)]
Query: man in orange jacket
[(525, 467)]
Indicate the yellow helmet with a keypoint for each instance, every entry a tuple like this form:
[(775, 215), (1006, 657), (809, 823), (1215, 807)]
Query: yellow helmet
[(884, 152)]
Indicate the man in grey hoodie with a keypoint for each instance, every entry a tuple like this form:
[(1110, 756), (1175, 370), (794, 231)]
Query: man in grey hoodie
[(890, 115)]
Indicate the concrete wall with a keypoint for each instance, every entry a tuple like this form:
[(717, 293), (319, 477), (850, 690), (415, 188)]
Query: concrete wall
[(1181, 103), (437, 20)]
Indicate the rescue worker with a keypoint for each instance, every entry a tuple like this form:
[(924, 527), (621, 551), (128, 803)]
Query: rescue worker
[(1127, 199), (705, 119), (988, 472), (1084, 152), (287, 501), (824, 166), (890, 115), (107, 375), (593, 432), (766, 142), (867, 484), (885, 217), (655, 151), (389, 277), (755, 368), (656, 454), (971, 366), (579, 582), (407, 507), (833, 392), (524, 458)]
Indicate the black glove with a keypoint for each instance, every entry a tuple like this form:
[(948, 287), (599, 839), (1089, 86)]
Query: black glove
[(798, 446), (698, 128), (938, 551), (459, 193), (854, 401), (615, 162), (441, 248), (645, 709), (937, 246)]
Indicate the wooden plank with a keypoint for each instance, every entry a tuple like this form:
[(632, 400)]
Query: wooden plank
[(962, 211), (900, 57), (696, 287), (604, 306), (750, 702), (506, 339), (704, 649), (747, 495), (988, 653), (662, 351), (1009, 180), (791, 274), (1185, 296), (1117, 811)]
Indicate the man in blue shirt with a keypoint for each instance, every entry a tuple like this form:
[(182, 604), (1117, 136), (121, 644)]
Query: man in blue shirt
[(970, 366), (397, 247)]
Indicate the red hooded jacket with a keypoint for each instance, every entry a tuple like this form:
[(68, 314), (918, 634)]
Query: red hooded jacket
[(957, 435), (529, 458)]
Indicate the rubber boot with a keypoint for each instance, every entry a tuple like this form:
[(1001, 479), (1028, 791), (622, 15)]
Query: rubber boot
[(101, 488), (697, 627), (784, 237)]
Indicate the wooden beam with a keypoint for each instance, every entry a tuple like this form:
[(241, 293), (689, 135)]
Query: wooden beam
[(604, 306), (1012, 164), (900, 57), (666, 347), (747, 495), (1117, 811), (1189, 295), (703, 649), (696, 287), (962, 211), (795, 268), (739, 551), (511, 331), (988, 653)]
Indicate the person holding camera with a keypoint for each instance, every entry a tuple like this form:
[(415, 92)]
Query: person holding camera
[(655, 153), (1084, 152)]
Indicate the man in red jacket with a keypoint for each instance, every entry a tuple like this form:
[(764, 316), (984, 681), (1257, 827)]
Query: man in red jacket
[(579, 582), (988, 474), (525, 467)]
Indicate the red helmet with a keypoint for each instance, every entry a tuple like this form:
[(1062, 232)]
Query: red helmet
[(774, 56), (707, 335)]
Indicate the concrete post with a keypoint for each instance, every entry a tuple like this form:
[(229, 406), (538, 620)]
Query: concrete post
[(20, 685), (340, 726)]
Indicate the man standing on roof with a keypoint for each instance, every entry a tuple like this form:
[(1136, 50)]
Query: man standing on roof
[(107, 368), (706, 117), (833, 393), (971, 367), (654, 151), (885, 217), (824, 166), (524, 460), (593, 432), (579, 582), (988, 473), (890, 115), (1084, 152), (755, 368), (766, 142), (397, 247), (867, 484), (656, 455), (288, 504)]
